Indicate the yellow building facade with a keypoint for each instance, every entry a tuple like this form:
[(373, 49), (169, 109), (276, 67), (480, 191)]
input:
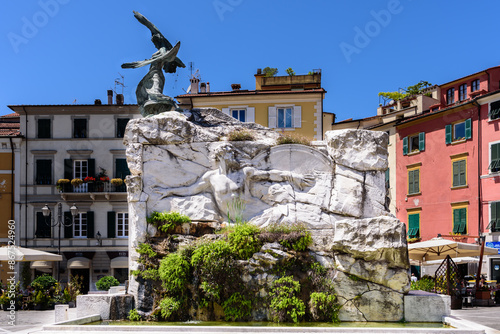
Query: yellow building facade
[(290, 104)]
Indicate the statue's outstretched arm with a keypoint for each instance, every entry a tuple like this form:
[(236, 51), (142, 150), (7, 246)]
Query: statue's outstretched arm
[(169, 56), (275, 175)]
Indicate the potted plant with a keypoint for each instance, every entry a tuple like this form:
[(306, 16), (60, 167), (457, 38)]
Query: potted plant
[(76, 182), (116, 182), (73, 290), (106, 282), (60, 184), (89, 179)]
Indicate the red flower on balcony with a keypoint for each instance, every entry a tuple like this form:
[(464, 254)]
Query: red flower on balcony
[(89, 179), (104, 179)]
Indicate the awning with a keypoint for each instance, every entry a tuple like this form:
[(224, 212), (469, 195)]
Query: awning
[(438, 248), (41, 265), (78, 263), (119, 262), (21, 254)]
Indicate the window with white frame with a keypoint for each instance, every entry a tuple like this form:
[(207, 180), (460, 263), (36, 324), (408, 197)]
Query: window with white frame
[(122, 224), (494, 166), (80, 169), (241, 113), (80, 225), (494, 112), (285, 117)]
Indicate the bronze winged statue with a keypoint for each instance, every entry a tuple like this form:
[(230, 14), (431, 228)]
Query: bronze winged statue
[(149, 91)]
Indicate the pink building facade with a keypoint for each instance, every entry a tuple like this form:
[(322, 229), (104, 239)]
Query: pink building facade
[(448, 165)]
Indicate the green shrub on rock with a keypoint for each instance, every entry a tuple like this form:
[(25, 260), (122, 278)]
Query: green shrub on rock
[(167, 221), (169, 306), (106, 282), (293, 236), (44, 282), (324, 307), (237, 307), (285, 305), (174, 273), (133, 315), (243, 240)]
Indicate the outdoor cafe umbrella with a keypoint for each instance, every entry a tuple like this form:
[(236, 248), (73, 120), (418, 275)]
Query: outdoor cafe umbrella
[(20, 254), (438, 249)]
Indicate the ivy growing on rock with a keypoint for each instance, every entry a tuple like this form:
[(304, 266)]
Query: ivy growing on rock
[(167, 221), (285, 305)]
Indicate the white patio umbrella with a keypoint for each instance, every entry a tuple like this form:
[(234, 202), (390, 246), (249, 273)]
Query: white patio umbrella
[(439, 248), (21, 254)]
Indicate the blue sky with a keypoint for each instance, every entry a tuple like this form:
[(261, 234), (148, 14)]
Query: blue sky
[(59, 51)]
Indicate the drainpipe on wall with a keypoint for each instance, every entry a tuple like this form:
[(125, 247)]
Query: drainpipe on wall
[(479, 157), (26, 182), (12, 180)]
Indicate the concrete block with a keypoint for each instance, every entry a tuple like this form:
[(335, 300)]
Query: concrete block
[(61, 313), (109, 307), (422, 306)]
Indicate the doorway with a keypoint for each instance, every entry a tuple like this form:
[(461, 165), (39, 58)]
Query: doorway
[(84, 275), (495, 269)]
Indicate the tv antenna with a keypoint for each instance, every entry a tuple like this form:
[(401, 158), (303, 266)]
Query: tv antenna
[(120, 82)]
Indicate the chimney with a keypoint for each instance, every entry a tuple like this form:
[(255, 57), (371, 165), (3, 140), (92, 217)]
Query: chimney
[(259, 71), (119, 99), (203, 87), (208, 87), (97, 102), (110, 96), (194, 85), (235, 87)]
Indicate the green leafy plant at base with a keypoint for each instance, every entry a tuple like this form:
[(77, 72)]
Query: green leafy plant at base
[(237, 307), (285, 304), (241, 135), (133, 315), (424, 284), (106, 282), (43, 283), (324, 307), (145, 249), (216, 269), (243, 240), (174, 273), (293, 236), (166, 221), (292, 139), (169, 306)]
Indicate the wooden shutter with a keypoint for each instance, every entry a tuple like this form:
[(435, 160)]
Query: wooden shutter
[(456, 220), (405, 145), (462, 173), (416, 180), (494, 213), (463, 221), (468, 128), (91, 166), (90, 225), (448, 134), (421, 141), (271, 123), (226, 111), (111, 224), (456, 173), (68, 169), (495, 158), (68, 228), (250, 115), (43, 229), (121, 168), (297, 117)]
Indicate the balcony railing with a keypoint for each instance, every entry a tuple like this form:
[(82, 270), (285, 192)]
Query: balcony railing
[(95, 187)]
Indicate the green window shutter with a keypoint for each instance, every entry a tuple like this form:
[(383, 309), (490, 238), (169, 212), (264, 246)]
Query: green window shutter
[(91, 164), (416, 181), (493, 212), (121, 168), (111, 224), (456, 221), (413, 225), (421, 141), (405, 145), (410, 182), (456, 173), (468, 128), (90, 225), (68, 228), (463, 171), (495, 158), (448, 133), (463, 221), (68, 169)]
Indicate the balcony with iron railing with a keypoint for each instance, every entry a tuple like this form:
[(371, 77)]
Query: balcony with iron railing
[(94, 190)]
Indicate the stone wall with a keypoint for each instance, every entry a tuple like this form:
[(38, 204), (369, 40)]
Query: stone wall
[(184, 162)]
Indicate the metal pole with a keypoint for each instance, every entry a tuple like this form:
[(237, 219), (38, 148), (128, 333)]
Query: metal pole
[(59, 222), (478, 276)]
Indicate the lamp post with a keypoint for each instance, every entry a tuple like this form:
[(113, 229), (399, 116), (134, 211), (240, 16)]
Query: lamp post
[(60, 222)]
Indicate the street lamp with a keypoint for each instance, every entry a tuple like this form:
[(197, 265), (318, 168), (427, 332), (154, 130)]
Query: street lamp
[(59, 223)]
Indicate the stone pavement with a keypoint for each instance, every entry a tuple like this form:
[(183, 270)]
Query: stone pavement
[(32, 321), (486, 316), (29, 321)]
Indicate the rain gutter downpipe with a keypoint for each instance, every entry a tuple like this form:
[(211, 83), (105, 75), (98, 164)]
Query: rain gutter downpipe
[(26, 181)]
